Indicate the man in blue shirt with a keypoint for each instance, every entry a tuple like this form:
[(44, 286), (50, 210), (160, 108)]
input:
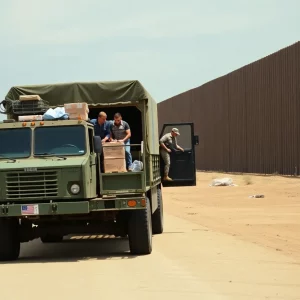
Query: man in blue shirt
[(101, 127)]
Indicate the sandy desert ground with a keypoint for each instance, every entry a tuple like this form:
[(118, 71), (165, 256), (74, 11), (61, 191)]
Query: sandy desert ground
[(218, 244), (272, 222)]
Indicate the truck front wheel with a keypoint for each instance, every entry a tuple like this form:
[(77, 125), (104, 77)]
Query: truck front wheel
[(9, 239), (140, 231)]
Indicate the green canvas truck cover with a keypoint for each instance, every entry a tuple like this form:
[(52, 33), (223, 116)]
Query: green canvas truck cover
[(107, 93)]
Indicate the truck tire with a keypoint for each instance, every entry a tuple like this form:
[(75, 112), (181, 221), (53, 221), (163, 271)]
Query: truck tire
[(140, 231), (158, 215), (52, 238), (9, 239)]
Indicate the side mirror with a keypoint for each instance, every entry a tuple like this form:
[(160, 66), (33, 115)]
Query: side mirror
[(196, 140), (97, 145)]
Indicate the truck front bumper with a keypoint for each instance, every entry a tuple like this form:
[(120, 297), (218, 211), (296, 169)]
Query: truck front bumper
[(70, 208)]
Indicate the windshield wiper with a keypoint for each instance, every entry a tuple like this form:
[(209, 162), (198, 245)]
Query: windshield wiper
[(8, 158), (47, 154)]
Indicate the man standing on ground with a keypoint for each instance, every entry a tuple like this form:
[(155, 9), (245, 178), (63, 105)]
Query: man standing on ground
[(101, 127), (120, 131), (168, 143)]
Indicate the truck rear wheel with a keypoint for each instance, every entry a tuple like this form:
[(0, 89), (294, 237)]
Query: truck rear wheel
[(140, 231), (158, 215), (51, 238), (9, 239)]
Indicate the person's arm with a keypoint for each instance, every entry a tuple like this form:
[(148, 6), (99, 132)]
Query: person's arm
[(162, 143), (107, 133), (107, 137), (111, 135), (128, 133), (178, 147)]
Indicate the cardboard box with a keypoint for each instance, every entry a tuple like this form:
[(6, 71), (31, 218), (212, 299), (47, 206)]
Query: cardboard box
[(114, 165), (29, 97), (113, 150), (75, 108), (30, 118), (82, 116)]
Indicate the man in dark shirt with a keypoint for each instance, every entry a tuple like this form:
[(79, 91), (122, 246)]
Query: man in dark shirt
[(120, 131), (101, 126)]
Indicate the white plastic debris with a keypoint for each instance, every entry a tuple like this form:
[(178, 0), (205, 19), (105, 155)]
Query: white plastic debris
[(222, 182), (137, 166), (56, 113)]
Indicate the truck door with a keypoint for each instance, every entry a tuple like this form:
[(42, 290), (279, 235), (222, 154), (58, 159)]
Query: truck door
[(183, 167), (93, 165)]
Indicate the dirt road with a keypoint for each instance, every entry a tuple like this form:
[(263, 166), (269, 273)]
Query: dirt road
[(208, 251)]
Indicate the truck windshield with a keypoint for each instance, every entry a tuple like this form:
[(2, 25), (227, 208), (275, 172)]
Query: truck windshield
[(63, 140), (15, 143)]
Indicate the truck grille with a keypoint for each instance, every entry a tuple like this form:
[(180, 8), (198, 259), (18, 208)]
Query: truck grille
[(33, 185)]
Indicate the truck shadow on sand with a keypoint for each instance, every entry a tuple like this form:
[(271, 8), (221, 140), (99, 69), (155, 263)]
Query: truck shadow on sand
[(74, 249)]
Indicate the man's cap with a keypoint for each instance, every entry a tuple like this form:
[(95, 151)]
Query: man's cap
[(175, 130)]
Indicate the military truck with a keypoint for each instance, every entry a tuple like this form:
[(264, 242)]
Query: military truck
[(51, 184)]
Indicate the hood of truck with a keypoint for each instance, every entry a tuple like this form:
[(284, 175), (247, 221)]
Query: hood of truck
[(42, 179), (40, 163)]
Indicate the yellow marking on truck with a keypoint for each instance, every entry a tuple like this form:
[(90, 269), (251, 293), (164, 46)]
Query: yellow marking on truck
[(92, 237)]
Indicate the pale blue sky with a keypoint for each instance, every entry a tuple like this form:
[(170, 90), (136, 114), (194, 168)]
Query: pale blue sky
[(170, 46)]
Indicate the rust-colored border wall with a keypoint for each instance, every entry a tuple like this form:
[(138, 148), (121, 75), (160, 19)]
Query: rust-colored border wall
[(248, 120)]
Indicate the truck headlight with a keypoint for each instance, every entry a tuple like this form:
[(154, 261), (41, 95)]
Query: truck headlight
[(75, 189)]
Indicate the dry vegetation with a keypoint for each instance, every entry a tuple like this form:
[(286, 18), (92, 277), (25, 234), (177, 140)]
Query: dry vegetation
[(247, 179)]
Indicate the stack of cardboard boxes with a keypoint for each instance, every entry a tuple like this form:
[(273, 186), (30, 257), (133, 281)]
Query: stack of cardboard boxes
[(114, 157), (30, 99), (74, 110), (77, 111)]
